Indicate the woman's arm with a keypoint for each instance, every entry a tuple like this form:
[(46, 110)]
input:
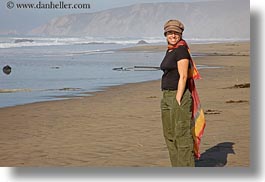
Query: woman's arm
[(183, 66)]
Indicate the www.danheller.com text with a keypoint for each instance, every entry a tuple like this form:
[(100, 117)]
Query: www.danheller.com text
[(50, 5)]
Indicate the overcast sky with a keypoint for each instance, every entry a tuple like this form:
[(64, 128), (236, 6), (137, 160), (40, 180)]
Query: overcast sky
[(26, 19)]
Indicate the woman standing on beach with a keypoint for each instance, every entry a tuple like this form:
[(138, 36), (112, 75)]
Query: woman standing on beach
[(176, 104)]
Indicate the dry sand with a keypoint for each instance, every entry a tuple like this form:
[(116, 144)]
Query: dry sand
[(122, 127)]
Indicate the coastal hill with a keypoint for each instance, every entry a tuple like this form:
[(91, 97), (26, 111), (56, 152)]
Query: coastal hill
[(202, 20)]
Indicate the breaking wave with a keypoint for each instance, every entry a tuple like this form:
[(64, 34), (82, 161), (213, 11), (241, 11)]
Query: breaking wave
[(14, 42)]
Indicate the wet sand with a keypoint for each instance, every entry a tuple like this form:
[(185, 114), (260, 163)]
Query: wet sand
[(122, 127)]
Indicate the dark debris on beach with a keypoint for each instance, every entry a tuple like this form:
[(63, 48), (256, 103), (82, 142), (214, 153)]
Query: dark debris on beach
[(236, 101), (212, 111), (244, 85)]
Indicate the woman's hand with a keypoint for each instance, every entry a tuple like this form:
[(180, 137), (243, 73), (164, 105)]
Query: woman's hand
[(178, 100)]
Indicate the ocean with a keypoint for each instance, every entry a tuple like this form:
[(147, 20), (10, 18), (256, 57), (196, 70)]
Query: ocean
[(54, 68)]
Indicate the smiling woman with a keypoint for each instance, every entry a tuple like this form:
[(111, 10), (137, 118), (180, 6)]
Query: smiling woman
[(176, 102), (180, 106)]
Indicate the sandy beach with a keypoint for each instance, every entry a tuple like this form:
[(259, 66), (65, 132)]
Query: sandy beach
[(121, 126)]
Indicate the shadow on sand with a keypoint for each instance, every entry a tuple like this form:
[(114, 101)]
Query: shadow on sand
[(216, 156)]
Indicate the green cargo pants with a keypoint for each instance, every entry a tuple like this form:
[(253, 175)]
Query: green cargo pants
[(177, 123)]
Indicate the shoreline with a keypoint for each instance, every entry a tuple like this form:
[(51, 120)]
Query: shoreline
[(121, 125), (79, 95), (201, 50)]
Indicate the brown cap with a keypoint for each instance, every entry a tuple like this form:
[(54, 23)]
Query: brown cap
[(173, 25)]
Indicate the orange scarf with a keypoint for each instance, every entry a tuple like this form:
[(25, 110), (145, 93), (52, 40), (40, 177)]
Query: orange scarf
[(197, 112)]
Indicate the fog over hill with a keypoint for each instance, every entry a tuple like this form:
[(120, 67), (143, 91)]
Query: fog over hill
[(202, 20)]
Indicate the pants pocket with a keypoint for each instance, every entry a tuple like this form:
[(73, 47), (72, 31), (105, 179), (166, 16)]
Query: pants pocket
[(182, 128), (166, 114)]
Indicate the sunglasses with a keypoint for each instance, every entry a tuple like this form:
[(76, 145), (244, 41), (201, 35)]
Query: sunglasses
[(172, 32)]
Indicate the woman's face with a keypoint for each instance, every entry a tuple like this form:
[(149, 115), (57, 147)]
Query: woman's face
[(172, 37)]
